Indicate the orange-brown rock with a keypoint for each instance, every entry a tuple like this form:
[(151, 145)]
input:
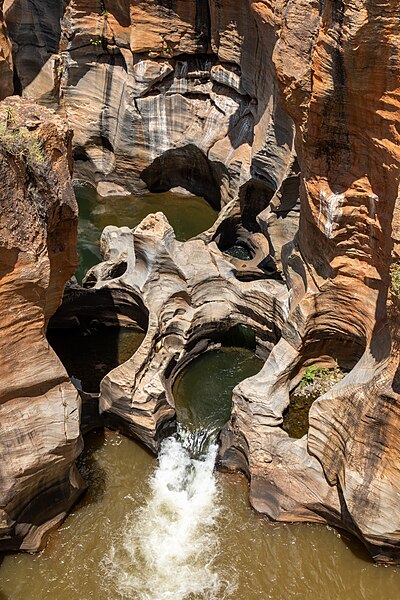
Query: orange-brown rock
[(6, 66), (339, 70), (39, 407), (187, 82), (231, 100)]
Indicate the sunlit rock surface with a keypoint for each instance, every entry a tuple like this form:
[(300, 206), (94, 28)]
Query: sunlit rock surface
[(246, 103), (192, 296), (6, 66), (39, 407), (343, 96), (183, 81)]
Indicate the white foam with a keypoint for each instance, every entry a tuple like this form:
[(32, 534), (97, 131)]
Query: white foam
[(168, 548)]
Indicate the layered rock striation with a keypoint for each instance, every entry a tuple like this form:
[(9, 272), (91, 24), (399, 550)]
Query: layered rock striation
[(39, 407), (160, 94), (286, 115), (344, 103), (191, 295)]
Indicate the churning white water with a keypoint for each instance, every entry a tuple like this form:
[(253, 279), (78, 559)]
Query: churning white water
[(168, 547)]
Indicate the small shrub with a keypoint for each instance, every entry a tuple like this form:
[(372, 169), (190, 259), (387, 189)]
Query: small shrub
[(323, 377), (20, 142), (310, 374), (10, 115)]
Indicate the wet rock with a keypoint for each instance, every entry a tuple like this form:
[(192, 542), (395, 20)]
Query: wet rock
[(106, 189)]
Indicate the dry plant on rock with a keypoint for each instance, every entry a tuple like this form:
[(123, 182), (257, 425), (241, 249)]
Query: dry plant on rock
[(19, 141)]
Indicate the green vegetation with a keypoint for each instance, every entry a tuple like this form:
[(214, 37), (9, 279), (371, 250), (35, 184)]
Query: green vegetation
[(103, 11), (315, 382), (324, 377), (310, 374), (395, 279), (166, 50), (19, 141), (96, 42)]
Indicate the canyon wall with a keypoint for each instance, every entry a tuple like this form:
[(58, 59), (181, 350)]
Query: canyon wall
[(160, 94), (39, 407), (339, 70), (233, 100)]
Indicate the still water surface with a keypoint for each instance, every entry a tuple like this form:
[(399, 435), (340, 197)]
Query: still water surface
[(173, 529), (188, 215)]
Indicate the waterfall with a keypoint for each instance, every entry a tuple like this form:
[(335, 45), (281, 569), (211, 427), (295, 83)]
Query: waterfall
[(158, 140), (168, 547)]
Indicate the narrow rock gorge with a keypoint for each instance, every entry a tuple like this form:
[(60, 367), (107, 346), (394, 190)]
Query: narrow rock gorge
[(284, 116)]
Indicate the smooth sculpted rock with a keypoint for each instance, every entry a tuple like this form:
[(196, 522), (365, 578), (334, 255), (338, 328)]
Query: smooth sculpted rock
[(39, 407), (286, 114), (160, 94), (345, 105), (192, 296)]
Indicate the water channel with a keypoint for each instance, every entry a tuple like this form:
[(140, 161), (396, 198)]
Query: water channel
[(173, 529)]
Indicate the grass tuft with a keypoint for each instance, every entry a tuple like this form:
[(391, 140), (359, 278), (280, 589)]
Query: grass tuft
[(19, 141)]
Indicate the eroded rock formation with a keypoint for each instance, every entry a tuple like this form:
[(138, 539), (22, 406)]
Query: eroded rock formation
[(343, 99), (39, 407), (159, 95), (239, 102), (193, 295)]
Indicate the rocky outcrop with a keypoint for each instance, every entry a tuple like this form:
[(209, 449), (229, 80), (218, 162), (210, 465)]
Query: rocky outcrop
[(192, 294), (35, 29), (252, 105), (343, 103), (39, 407), (160, 94), (6, 66)]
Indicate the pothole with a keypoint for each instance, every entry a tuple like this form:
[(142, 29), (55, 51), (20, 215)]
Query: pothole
[(315, 382)]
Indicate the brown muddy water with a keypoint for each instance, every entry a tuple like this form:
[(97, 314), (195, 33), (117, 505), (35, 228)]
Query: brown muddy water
[(172, 529)]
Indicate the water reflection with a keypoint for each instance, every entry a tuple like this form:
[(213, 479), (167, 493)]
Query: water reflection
[(188, 215), (173, 529), (203, 391)]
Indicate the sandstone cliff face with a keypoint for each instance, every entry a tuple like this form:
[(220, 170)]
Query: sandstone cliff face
[(161, 94), (6, 68), (233, 100), (39, 407), (339, 71)]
